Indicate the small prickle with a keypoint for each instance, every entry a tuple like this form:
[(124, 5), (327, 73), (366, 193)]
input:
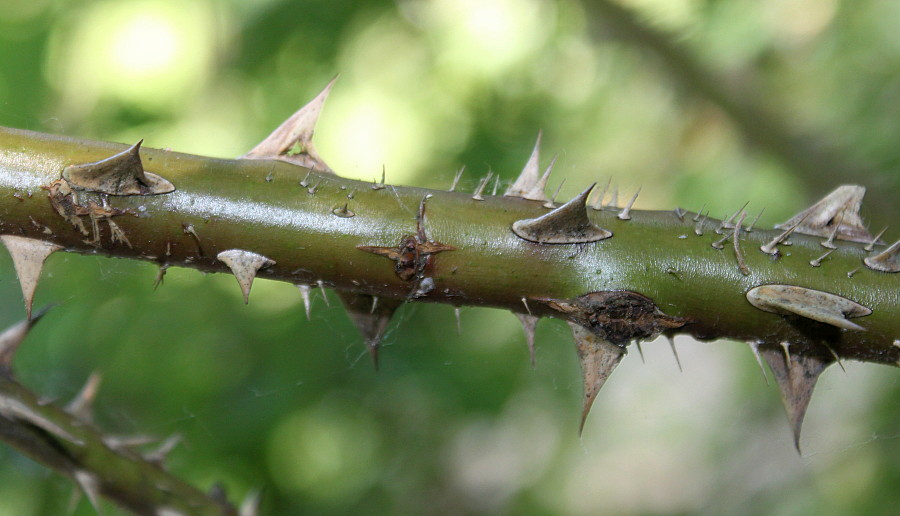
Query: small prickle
[(244, 265), (529, 324), (369, 317)]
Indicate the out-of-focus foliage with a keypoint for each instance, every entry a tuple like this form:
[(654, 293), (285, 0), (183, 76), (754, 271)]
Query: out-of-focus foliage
[(453, 423)]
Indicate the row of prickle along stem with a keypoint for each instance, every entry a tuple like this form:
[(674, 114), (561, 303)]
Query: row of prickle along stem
[(604, 322), (835, 217)]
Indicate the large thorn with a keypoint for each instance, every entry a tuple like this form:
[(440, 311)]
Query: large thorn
[(598, 358), (28, 257), (813, 304), (371, 315), (12, 338), (244, 265), (121, 174), (295, 134), (837, 211), (82, 405), (530, 185), (568, 224), (796, 376), (529, 324), (886, 261)]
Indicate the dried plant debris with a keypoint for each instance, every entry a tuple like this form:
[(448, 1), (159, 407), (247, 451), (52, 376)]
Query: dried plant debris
[(796, 376), (28, 257), (886, 261), (244, 265), (415, 253), (812, 304), (531, 184), (618, 316), (598, 358), (292, 140), (121, 174), (837, 212), (65, 202), (371, 315), (568, 224)]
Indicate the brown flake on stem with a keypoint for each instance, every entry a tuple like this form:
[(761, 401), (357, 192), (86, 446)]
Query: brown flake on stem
[(568, 224), (244, 265), (837, 211), (120, 174), (886, 261), (812, 304)]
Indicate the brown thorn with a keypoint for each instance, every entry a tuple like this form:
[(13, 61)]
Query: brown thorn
[(885, 261), (551, 204), (481, 185), (625, 214), (699, 213), (12, 338), (754, 346), (321, 285), (675, 352), (772, 247), (871, 245), (720, 243), (28, 256), (829, 244), (758, 215), (458, 175), (640, 351), (698, 227), (818, 261), (742, 265), (81, 405)]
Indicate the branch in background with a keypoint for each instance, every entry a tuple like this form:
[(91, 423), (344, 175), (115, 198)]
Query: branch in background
[(101, 465), (802, 152)]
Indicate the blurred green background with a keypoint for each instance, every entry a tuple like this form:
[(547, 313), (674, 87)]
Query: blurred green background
[(459, 423)]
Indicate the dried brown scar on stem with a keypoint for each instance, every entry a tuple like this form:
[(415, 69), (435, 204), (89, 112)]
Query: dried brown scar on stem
[(618, 316), (796, 376), (371, 316), (886, 261), (414, 254), (568, 224), (65, 202), (292, 140), (837, 212), (812, 304), (121, 174), (28, 257), (244, 265), (530, 184), (598, 358)]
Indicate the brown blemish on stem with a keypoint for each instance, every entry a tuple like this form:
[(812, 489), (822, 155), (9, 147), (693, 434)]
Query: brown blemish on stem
[(618, 316), (414, 254)]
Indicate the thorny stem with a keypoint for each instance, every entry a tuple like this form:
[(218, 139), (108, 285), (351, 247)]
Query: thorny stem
[(75, 448), (258, 205)]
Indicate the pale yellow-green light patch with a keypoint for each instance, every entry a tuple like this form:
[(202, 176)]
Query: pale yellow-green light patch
[(142, 53)]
